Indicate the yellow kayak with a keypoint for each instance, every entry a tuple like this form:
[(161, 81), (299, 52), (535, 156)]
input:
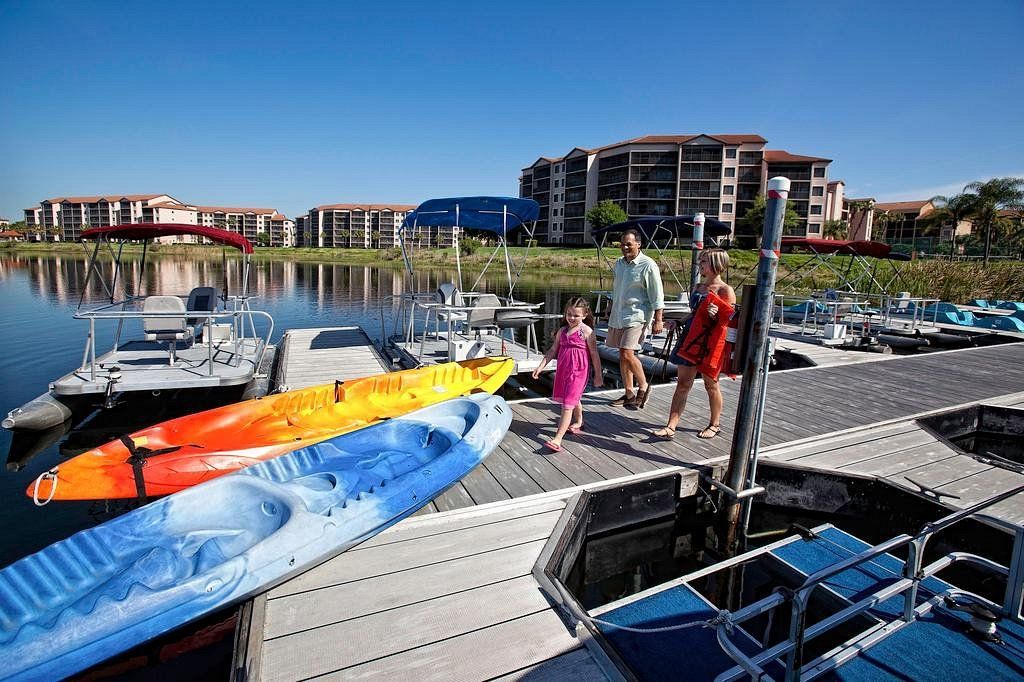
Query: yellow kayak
[(182, 452)]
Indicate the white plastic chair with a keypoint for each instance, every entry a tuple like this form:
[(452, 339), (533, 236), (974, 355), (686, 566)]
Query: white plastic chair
[(171, 329)]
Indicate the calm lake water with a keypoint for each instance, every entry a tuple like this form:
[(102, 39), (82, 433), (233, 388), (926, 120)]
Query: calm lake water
[(39, 295)]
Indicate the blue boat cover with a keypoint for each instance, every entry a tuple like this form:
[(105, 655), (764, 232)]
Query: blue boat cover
[(499, 215), (109, 588), (678, 226)]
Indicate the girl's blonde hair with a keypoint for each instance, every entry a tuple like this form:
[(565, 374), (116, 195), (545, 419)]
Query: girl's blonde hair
[(718, 259), (584, 305)]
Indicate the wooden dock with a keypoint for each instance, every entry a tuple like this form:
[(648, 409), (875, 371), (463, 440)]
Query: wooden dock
[(448, 595), (308, 357)]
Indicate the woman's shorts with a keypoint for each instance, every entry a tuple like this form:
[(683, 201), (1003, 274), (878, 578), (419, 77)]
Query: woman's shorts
[(625, 337)]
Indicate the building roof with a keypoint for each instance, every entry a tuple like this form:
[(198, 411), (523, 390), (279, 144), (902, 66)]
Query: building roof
[(836, 182), (176, 207), (11, 234), (902, 206), (109, 197), (397, 208), (782, 156), (661, 139), (235, 209)]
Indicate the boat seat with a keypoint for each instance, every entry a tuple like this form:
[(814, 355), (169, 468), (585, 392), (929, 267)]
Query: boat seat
[(449, 294), (171, 329), (479, 320), (201, 299)]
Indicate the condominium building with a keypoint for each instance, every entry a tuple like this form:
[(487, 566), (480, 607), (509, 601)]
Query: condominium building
[(250, 223), (360, 226), (719, 175), (64, 218)]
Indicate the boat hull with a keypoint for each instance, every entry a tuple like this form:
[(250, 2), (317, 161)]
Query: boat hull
[(189, 450), (108, 588)]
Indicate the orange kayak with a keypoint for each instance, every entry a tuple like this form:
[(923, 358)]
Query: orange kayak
[(179, 453)]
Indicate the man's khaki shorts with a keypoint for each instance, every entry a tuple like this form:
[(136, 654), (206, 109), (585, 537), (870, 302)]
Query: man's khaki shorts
[(625, 337)]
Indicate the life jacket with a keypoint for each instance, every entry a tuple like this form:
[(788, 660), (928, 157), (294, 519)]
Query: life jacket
[(704, 345)]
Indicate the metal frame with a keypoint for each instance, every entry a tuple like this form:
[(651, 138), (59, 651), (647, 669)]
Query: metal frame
[(244, 341), (913, 574), (412, 305)]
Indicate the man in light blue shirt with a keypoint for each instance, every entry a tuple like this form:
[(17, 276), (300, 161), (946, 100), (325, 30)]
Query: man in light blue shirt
[(637, 301)]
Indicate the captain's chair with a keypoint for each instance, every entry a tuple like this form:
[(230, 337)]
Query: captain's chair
[(201, 299), (481, 315), (172, 329)]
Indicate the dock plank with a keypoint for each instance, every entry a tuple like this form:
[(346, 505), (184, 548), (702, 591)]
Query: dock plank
[(341, 646), (360, 564)]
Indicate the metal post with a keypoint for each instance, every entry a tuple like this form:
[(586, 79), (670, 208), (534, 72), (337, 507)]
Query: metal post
[(754, 368), (455, 242), (696, 247)]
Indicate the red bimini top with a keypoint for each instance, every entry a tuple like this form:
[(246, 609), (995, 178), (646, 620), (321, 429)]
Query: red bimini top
[(857, 248), (145, 231)]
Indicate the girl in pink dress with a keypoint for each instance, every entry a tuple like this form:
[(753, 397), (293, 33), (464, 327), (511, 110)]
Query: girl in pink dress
[(576, 349)]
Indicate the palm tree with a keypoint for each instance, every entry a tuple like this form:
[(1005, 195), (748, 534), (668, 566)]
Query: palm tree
[(953, 210), (994, 196), (887, 218), (835, 229)]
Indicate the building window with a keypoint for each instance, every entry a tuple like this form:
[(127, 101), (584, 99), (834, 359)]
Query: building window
[(730, 152), (819, 172), (730, 172), (727, 189), (817, 191), (815, 210), (814, 228), (726, 208)]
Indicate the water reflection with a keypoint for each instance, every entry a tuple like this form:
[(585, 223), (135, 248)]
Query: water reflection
[(38, 297)]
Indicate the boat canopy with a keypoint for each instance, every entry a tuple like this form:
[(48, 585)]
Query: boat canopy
[(847, 261), (677, 226), (499, 215), (146, 231), (843, 246)]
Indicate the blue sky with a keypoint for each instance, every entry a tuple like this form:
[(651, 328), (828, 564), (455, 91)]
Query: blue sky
[(290, 105)]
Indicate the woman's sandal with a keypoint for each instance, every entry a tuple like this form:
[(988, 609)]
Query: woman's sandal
[(666, 432), (710, 431)]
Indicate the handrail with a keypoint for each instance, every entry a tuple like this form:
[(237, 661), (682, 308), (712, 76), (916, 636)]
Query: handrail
[(238, 317), (913, 574)]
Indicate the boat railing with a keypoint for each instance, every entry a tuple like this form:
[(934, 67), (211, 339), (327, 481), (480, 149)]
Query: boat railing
[(908, 585), (909, 313), (820, 310), (421, 312), (240, 317)]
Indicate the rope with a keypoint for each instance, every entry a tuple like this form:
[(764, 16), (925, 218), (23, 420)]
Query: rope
[(52, 473), (724, 617)]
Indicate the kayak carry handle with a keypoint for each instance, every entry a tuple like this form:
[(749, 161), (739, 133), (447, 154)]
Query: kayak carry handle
[(52, 473)]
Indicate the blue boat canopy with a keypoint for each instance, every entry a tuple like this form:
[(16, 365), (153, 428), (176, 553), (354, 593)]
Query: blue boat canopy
[(499, 215), (679, 226)]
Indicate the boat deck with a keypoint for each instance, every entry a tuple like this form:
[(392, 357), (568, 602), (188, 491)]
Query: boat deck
[(436, 350), (427, 598), (145, 366), (321, 355)]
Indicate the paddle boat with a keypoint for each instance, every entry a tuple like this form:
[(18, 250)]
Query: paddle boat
[(817, 603), (453, 322), (182, 452), (205, 339), (109, 588)]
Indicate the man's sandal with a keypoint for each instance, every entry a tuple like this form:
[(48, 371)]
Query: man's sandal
[(624, 399), (666, 432), (710, 431)]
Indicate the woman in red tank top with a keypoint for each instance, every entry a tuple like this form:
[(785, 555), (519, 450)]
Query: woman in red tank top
[(712, 263)]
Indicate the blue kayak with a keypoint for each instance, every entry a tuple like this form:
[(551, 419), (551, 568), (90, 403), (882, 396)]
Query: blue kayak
[(109, 588)]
